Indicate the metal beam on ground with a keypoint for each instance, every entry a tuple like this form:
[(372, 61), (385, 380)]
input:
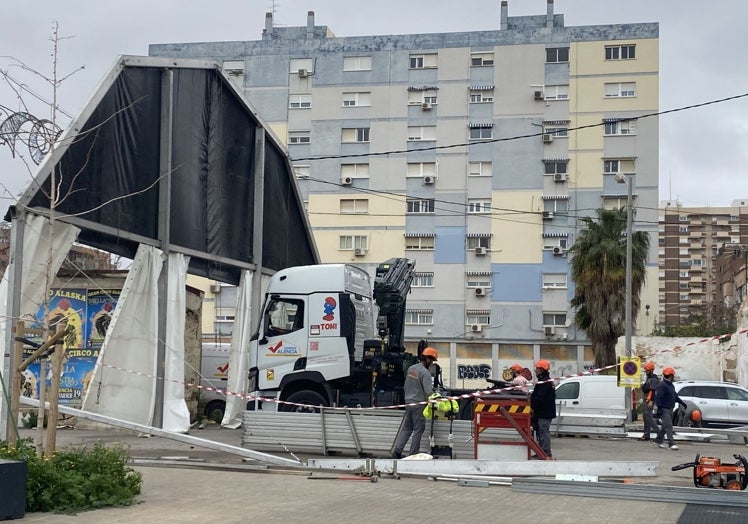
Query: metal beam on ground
[(179, 437), (638, 492)]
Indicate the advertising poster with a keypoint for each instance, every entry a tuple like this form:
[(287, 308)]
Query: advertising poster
[(87, 314)]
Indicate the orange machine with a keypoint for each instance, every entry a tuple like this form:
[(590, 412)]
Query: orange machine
[(710, 472)]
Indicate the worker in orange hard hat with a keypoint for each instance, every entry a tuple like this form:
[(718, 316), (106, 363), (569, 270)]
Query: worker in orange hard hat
[(665, 399), (543, 404), (518, 380), (651, 381), (419, 385)]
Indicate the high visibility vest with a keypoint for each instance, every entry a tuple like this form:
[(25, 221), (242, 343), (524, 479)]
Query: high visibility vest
[(440, 407)]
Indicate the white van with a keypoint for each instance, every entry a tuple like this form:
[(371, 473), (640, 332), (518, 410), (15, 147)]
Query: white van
[(214, 369), (590, 392)]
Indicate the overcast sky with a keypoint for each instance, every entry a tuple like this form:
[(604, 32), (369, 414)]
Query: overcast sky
[(703, 152)]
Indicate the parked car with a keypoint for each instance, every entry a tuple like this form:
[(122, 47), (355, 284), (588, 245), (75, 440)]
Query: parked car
[(721, 403)]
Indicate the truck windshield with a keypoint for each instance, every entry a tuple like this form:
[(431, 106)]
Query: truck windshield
[(283, 315)]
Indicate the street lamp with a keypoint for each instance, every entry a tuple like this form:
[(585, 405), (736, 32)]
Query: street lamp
[(628, 180)]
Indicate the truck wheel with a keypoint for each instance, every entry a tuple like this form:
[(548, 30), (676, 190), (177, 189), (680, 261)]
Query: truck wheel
[(214, 410), (312, 398)]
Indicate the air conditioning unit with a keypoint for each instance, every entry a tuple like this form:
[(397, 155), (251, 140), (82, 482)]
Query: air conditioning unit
[(481, 250), (558, 250), (428, 180), (359, 252), (547, 215), (547, 138), (346, 180), (476, 328), (480, 292), (549, 331), (215, 288), (538, 95), (426, 106), (559, 177), (303, 73)]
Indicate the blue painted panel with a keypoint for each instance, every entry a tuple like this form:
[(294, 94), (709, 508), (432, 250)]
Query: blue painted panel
[(517, 282), (450, 245)]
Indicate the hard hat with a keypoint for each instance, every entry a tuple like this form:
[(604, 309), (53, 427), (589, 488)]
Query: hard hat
[(649, 366), (668, 372), (516, 367), (543, 364), (430, 352), (696, 415)]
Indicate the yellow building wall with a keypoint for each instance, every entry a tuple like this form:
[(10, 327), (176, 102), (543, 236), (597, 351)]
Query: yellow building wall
[(517, 238)]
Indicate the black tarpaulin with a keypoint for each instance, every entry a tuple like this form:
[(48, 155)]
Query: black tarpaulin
[(111, 172)]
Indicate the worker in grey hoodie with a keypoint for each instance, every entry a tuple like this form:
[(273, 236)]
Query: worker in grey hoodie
[(419, 384)]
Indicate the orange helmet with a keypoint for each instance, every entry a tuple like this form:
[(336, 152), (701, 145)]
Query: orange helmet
[(696, 415), (516, 367), (430, 352), (543, 364), (649, 366), (668, 372)]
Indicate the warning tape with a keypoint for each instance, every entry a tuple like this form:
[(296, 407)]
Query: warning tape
[(475, 394)]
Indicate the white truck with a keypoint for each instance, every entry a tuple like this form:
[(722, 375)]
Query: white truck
[(328, 338)]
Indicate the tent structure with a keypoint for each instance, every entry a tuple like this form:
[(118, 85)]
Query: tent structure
[(168, 154)]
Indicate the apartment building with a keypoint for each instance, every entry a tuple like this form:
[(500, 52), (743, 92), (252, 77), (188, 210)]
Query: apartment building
[(698, 271), (474, 154)]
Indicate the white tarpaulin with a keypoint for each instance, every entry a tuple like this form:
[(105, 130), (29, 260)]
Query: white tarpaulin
[(36, 243), (176, 414), (124, 384), (238, 360)]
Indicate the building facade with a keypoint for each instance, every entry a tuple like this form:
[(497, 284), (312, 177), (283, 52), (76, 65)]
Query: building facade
[(700, 262), (474, 154)]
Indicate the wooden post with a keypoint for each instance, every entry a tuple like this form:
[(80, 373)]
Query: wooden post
[(15, 390), (54, 395), (43, 365)]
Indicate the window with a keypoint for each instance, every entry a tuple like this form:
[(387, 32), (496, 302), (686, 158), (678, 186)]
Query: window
[(481, 133), (422, 280), (354, 205), (551, 280), (357, 63), (556, 205), (419, 242), (557, 92), (421, 169), (682, 297), (736, 394), (482, 241), (416, 133), (356, 134), (620, 89), (557, 54), (620, 52), (553, 167), (416, 98), (481, 59), (299, 137), (302, 171), (297, 64), (354, 170), (282, 316), (568, 391), (479, 206), (611, 167), (683, 274), (482, 282), (551, 242), (481, 96), (474, 317), (419, 317), (423, 61), (554, 319), (683, 229), (300, 101), (627, 127), (420, 205), (683, 285), (480, 169), (351, 242), (356, 99), (558, 132)]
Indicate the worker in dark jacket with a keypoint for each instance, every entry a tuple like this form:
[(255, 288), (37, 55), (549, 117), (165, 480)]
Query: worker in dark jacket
[(543, 404), (651, 381), (419, 384), (665, 399)]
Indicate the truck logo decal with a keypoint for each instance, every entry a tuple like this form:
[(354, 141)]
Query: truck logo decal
[(329, 307), (224, 368), (281, 350), (275, 348)]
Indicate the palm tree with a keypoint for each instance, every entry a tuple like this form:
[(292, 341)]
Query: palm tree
[(598, 268)]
